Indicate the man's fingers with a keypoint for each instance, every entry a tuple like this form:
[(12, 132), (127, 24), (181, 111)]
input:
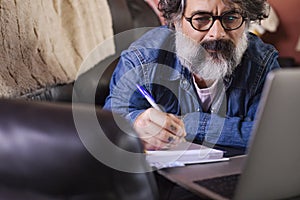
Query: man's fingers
[(156, 143), (167, 137), (157, 116), (159, 130), (168, 121), (157, 136), (146, 128)]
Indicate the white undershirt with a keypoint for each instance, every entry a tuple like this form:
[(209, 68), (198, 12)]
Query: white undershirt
[(206, 95)]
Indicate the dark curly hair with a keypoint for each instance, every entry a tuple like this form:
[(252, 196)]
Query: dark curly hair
[(254, 10)]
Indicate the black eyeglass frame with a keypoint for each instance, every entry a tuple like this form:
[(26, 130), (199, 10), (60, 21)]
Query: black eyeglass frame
[(214, 18)]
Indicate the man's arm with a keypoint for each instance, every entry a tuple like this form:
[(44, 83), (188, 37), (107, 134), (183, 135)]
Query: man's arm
[(156, 129), (214, 129)]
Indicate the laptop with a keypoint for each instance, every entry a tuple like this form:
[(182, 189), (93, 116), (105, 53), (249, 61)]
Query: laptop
[(272, 166)]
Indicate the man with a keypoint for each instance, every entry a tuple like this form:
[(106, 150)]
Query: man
[(204, 70)]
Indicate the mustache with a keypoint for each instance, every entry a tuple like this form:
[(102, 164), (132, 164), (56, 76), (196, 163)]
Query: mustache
[(218, 45), (224, 48)]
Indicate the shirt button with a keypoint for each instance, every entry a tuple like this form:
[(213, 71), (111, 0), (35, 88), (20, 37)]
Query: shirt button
[(247, 119), (184, 83)]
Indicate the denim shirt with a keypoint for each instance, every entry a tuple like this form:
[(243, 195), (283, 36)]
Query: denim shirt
[(151, 61)]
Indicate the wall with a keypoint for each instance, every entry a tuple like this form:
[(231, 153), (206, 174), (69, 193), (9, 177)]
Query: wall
[(285, 39)]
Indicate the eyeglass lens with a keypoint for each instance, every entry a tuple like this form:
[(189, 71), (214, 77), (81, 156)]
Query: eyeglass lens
[(229, 21)]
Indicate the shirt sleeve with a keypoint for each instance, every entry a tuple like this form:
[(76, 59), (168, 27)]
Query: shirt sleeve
[(214, 129), (124, 98)]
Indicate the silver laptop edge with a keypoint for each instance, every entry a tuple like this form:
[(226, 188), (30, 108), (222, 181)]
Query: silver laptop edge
[(273, 162)]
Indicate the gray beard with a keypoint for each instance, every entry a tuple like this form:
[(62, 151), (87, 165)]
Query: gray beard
[(193, 56)]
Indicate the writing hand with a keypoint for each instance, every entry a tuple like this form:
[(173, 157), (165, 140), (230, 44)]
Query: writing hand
[(159, 130)]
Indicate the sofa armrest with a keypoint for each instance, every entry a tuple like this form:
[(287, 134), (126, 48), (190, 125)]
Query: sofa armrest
[(42, 154)]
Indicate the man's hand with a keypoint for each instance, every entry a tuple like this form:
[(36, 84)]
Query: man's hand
[(159, 130)]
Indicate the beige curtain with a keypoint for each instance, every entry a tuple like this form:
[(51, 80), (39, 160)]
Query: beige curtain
[(44, 42)]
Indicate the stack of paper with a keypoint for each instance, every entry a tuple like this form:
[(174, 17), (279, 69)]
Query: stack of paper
[(185, 153)]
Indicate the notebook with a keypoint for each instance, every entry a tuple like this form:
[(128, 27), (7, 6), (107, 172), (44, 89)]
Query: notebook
[(272, 167), (182, 154)]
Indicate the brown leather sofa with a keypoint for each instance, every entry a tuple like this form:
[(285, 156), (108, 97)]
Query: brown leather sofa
[(42, 155), (126, 15)]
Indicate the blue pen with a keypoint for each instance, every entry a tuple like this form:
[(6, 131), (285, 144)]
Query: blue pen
[(148, 97)]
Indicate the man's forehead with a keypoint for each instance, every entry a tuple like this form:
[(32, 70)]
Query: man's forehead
[(211, 4)]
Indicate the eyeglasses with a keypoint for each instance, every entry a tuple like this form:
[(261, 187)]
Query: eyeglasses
[(204, 21)]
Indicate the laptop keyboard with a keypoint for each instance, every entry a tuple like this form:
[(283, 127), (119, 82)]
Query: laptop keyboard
[(224, 185)]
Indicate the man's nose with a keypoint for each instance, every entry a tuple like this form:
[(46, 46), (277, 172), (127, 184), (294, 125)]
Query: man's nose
[(216, 31)]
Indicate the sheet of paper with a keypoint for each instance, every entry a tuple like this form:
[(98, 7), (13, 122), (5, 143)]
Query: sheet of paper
[(185, 153)]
